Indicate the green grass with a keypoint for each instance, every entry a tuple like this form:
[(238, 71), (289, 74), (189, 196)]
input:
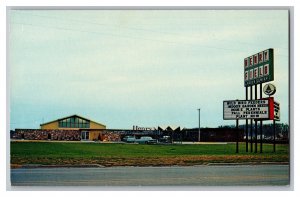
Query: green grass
[(62, 153)]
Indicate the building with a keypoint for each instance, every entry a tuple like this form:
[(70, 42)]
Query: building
[(72, 128), (90, 130)]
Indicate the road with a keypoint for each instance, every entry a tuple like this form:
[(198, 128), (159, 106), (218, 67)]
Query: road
[(206, 175)]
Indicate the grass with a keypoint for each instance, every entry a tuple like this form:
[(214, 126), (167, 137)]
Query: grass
[(62, 153)]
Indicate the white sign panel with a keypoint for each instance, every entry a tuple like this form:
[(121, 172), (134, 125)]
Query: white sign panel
[(246, 109)]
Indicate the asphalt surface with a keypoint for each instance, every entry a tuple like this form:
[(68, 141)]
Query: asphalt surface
[(206, 175)]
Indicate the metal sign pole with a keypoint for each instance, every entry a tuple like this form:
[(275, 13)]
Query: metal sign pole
[(255, 121), (246, 123), (274, 136), (237, 135), (261, 124), (255, 150), (199, 132), (251, 124)]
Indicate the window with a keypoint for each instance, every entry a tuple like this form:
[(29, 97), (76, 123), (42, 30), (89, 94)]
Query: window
[(74, 122), (64, 123)]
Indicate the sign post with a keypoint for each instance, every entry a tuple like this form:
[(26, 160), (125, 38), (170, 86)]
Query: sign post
[(199, 132), (237, 136), (274, 136), (255, 120), (246, 123), (261, 123), (251, 120)]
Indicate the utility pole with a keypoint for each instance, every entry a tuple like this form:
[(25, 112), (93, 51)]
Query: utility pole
[(199, 138)]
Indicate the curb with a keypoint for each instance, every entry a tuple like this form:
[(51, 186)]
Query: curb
[(30, 166)]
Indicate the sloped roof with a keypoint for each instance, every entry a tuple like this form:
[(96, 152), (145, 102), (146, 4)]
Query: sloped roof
[(173, 127), (70, 117)]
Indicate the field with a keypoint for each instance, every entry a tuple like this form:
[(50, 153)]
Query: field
[(68, 153)]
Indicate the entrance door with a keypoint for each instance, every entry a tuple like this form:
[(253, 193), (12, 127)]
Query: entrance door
[(85, 135)]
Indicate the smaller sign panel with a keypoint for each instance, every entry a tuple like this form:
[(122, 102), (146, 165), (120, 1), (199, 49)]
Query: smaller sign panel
[(269, 89), (246, 109), (276, 111)]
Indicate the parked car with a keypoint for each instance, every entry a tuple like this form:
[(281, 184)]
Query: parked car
[(129, 139), (165, 139), (146, 140)]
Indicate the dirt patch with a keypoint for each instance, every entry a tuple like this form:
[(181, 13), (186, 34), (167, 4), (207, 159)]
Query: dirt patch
[(149, 161)]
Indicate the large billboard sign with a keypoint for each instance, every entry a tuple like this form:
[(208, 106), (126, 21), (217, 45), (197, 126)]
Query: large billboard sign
[(259, 68), (262, 109)]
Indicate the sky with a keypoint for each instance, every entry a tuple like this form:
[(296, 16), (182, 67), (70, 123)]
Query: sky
[(138, 67)]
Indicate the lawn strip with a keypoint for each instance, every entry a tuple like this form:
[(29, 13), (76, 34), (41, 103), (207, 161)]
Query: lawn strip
[(66, 154)]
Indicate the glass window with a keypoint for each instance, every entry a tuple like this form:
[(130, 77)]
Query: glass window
[(74, 122), (64, 123)]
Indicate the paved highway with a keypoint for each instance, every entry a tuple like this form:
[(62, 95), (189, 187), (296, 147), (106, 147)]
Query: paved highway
[(219, 175)]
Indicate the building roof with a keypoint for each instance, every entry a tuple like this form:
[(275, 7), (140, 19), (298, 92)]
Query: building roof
[(172, 127), (70, 117)]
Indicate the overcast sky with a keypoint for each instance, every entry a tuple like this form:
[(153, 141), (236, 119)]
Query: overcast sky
[(138, 67)]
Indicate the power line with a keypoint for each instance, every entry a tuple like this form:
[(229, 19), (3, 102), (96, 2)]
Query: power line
[(133, 28), (122, 36)]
